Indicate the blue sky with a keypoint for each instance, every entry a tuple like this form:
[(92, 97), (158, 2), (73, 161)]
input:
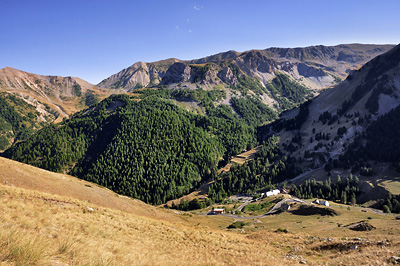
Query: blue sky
[(93, 39)]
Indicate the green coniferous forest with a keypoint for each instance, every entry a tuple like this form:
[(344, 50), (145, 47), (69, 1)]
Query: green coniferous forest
[(146, 148), (269, 167)]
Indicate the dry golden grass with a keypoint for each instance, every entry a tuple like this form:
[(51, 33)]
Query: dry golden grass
[(53, 219), (391, 185), (246, 156), (25, 176), (43, 229)]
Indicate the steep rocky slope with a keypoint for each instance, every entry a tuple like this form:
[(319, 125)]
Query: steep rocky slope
[(342, 114)]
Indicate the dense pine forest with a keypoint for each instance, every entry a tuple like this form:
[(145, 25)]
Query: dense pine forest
[(145, 147)]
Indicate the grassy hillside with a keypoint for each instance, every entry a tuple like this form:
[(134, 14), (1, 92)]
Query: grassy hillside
[(72, 222), (55, 219)]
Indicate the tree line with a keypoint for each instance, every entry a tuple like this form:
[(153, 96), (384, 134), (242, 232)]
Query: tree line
[(344, 191)]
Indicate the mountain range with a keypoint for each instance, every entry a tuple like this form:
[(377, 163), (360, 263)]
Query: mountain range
[(268, 73), (219, 132), (316, 67)]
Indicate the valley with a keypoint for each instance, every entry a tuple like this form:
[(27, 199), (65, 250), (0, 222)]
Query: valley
[(115, 144), (127, 171)]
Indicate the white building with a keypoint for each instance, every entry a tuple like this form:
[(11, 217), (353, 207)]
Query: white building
[(276, 191), (324, 202), (321, 202), (218, 211), (272, 193)]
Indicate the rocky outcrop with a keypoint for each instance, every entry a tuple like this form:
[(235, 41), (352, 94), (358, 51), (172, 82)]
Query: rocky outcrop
[(309, 71), (226, 75), (178, 72)]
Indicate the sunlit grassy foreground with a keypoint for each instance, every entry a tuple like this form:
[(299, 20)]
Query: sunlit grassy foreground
[(43, 229), (55, 219)]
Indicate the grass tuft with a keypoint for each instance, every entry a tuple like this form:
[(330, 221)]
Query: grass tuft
[(21, 249), (67, 246)]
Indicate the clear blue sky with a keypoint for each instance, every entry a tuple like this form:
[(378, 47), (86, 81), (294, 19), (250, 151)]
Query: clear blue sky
[(94, 39)]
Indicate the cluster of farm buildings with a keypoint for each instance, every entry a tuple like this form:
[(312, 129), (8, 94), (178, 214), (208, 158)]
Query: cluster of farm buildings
[(262, 195)]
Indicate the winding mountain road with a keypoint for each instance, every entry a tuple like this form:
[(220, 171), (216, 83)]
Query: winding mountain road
[(271, 211)]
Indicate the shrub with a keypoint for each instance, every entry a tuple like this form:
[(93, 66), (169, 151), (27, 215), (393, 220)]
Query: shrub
[(237, 224), (281, 230), (386, 209)]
